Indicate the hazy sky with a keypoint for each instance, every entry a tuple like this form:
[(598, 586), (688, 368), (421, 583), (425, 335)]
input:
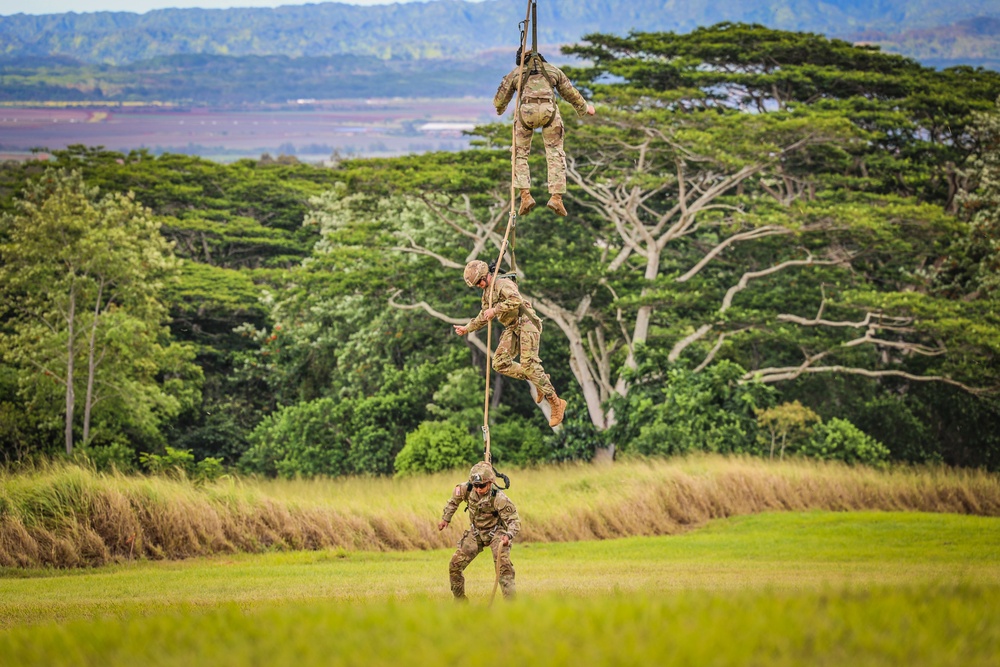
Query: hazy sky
[(140, 6)]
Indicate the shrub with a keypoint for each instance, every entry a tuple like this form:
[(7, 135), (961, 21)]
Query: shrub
[(117, 456), (174, 460), (787, 423), (840, 440), (682, 411), (300, 439), (208, 468), (436, 446), (517, 441)]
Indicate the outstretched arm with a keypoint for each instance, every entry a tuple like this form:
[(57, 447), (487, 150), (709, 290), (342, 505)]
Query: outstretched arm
[(569, 93), (505, 93)]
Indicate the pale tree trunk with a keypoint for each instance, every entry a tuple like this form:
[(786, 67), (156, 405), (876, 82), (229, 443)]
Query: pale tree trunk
[(587, 377), (70, 397), (91, 366)]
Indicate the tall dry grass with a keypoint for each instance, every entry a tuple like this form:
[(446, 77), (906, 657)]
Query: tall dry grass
[(67, 516)]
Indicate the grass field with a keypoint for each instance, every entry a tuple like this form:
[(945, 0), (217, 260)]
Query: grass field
[(66, 516), (817, 588)]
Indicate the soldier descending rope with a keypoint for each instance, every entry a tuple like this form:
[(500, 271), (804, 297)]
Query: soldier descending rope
[(493, 523), (521, 335), (537, 82)]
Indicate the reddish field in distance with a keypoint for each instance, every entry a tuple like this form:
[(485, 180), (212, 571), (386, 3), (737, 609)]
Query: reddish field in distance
[(311, 130)]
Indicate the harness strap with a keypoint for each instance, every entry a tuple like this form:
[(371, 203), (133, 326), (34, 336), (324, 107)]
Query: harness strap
[(537, 67)]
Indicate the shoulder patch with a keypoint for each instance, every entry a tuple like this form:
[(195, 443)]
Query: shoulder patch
[(458, 491)]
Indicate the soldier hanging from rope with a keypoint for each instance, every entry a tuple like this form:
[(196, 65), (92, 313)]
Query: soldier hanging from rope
[(538, 84), (493, 523), (521, 334)]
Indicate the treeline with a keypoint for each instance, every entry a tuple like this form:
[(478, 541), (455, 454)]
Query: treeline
[(778, 245), (225, 80), (444, 28)]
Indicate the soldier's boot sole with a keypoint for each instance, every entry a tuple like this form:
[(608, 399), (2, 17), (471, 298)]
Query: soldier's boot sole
[(527, 204), (556, 206), (558, 410)]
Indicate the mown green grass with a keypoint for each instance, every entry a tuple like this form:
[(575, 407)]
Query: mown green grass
[(773, 589)]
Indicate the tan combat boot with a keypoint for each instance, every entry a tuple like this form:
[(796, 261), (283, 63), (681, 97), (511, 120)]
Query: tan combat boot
[(556, 204), (558, 410), (527, 202), (541, 395)]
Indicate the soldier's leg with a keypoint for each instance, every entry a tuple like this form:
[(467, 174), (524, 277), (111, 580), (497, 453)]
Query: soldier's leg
[(503, 359), (555, 156), (506, 567), (531, 363), (523, 135), (468, 549)]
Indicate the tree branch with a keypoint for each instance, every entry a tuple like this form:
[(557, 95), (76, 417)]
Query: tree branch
[(773, 375), (897, 322), (727, 301), (420, 250), (715, 348), (683, 343), (759, 232)]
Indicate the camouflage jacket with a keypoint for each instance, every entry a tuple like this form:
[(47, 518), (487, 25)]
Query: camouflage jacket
[(489, 515), (537, 87), (511, 308)]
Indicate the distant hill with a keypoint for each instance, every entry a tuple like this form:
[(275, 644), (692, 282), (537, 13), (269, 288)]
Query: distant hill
[(444, 28), (971, 42), (240, 80)]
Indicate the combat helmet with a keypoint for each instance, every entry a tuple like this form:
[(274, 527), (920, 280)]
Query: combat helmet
[(475, 271), (481, 473)]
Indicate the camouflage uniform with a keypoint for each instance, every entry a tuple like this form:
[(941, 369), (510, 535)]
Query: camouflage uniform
[(521, 334), (491, 516), (539, 109)]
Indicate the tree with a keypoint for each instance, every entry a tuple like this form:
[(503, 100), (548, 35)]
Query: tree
[(917, 119), (790, 421), (81, 277), (734, 199)]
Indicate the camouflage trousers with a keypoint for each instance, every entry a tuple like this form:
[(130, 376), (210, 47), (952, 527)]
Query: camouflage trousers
[(552, 137), (524, 342), (471, 546)]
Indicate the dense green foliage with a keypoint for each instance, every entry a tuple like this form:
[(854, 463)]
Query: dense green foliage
[(675, 411), (433, 29), (436, 446), (757, 218), (81, 282)]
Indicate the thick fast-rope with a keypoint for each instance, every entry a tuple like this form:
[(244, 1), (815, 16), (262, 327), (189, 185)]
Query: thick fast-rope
[(508, 234)]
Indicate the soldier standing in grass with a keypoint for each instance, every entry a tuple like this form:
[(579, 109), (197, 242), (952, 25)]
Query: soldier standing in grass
[(494, 524), (537, 85), (521, 335)]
